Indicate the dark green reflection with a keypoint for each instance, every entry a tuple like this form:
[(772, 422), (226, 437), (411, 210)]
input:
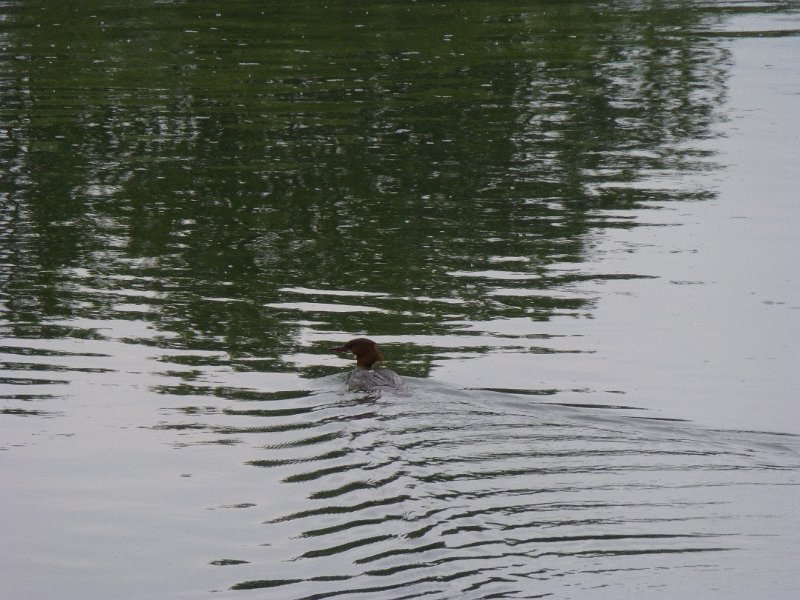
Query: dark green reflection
[(202, 160)]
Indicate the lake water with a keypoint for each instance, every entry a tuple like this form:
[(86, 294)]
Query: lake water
[(572, 227)]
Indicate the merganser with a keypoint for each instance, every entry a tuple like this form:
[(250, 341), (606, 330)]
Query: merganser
[(364, 377)]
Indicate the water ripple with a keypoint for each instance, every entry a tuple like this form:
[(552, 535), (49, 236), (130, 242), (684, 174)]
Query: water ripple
[(459, 494)]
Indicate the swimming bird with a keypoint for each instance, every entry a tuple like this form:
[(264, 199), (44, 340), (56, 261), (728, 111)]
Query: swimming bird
[(364, 377)]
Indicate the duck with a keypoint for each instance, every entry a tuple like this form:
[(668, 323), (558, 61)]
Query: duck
[(364, 377)]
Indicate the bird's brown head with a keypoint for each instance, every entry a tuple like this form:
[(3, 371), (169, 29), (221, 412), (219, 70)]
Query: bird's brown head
[(366, 351)]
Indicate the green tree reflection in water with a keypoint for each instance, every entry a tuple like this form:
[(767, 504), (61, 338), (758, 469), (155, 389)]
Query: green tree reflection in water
[(213, 162)]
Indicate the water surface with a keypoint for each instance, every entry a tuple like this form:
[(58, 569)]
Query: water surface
[(571, 228)]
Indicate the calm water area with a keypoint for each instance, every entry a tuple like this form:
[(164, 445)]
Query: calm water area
[(571, 226)]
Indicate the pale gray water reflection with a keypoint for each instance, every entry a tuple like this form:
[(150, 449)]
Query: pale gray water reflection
[(299, 489), (570, 226)]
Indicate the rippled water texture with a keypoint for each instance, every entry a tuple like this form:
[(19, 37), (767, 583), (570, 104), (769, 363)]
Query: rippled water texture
[(571, 227)]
